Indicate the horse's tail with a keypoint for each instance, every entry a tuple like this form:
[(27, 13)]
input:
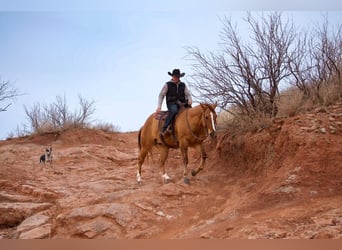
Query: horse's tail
[(139, 139)]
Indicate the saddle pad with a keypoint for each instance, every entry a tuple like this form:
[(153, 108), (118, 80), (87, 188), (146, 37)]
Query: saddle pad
[(161, 115)]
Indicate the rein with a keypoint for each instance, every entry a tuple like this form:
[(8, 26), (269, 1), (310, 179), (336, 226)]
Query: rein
[(192, 133)]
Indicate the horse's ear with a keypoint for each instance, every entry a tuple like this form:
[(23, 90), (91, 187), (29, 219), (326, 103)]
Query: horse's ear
[(204, 106), (214, 106)]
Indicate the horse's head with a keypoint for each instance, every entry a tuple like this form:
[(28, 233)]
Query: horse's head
[(209, 118)]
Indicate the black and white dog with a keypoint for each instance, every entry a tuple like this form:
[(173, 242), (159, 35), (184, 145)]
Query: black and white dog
[(47, 157)]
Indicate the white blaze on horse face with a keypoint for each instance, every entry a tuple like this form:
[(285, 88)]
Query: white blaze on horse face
[(212, 121)]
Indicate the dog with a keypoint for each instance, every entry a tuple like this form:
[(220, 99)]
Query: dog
[(47, 157)]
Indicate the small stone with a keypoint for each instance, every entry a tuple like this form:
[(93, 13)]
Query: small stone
[(206, 235), (332, 129), (323, 130), (160, 213)]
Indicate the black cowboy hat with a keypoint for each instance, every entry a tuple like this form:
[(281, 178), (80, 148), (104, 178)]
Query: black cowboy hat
[(176, 72)]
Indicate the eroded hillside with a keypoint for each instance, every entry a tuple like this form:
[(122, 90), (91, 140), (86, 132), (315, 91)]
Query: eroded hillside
[(281, 182)]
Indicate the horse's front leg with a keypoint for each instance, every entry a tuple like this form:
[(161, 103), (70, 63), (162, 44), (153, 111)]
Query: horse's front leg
[(201, 150), (184, 152)]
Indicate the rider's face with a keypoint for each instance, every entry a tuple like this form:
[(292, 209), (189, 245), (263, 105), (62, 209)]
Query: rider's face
[(175, 78)]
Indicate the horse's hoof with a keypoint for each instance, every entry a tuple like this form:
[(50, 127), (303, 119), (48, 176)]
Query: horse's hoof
[(193, 172), (187, 181)]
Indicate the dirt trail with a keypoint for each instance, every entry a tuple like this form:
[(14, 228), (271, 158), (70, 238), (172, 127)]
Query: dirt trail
[(281, 182)]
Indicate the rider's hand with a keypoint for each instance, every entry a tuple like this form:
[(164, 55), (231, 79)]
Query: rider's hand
[(158, 110)]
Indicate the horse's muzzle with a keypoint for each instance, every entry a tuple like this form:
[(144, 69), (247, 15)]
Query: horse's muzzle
[(213, 134)]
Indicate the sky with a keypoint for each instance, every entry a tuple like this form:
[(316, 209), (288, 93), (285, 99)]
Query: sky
[(116, 55)]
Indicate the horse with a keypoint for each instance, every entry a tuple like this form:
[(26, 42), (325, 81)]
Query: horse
[(191, 128)]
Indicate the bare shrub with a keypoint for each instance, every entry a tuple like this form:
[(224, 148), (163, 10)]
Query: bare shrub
[(224, 119), (20, 131), (290, 102), (106, 127), (36, 117), (237, 123), (330, 93), (7, 92), (57, 116), (247, 74), (316, 60)]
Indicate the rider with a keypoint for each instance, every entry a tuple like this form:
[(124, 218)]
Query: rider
[(176, 92)]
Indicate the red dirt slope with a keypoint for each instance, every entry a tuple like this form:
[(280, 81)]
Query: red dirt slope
[(282, 182)]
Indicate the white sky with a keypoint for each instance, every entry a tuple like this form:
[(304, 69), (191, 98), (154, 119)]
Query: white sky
[(117, 55)]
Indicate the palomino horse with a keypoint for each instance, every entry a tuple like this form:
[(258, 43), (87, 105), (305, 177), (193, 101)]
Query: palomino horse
[(191, 128)]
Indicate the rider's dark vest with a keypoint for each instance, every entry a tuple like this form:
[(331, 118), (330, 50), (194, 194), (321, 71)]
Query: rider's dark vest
[(176, 92)]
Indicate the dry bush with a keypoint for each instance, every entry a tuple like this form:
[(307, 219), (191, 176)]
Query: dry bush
[(237, 123), (330, 93), (249, 73), (8, 92), (290, 102), (246, 74), (224, 119), (21, 131), (294, 100), (106, 127), (57, 116)]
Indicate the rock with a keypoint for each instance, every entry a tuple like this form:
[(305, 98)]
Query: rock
[(308, 129), (42, 232), (109, 220), (13, 213), (40, 193), (287, 189), (324, 235), (93, 228), (14, 197), (32, 222), (122, 213)]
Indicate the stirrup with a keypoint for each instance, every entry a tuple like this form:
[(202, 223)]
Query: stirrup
[(165, 132)]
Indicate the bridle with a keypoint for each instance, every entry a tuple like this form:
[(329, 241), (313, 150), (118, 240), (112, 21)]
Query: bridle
[(203, 122)]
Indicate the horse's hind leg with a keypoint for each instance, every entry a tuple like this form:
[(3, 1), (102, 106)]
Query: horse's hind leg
[(164, 152), (185, 163), (141, 159), (204, 156)]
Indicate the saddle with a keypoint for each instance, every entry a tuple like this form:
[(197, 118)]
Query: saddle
[(169, 136), (161, 115)]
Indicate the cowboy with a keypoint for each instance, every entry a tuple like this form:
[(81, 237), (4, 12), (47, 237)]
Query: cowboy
[(176, 93)]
